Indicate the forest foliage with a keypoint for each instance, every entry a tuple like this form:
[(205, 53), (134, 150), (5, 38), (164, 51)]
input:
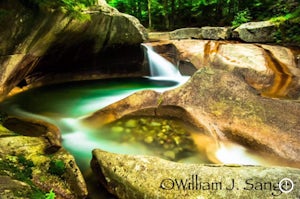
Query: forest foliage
[(173, 14), (164, 15), (73, 7)]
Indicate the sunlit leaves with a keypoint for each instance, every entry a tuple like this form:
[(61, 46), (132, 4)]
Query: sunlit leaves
[(241, 17)]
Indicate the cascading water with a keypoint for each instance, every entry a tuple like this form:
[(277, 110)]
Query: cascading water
[(65, 105), (159, 66)]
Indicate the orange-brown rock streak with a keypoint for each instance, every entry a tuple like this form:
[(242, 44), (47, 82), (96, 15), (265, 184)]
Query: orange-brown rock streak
[(283, 78), (211, 48)]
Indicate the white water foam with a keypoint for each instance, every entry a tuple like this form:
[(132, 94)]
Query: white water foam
[(159, 66)]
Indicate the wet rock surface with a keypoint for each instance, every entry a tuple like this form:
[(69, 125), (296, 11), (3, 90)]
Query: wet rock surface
[(37, 44), (224, 105), (150, 177), (35, 128), (30, 169), (270, 69)]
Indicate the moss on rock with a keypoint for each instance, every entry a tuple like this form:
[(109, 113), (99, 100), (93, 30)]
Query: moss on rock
[(31, 172)]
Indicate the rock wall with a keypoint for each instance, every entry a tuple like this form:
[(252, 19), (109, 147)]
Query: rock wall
[(271, 69), (38, 43)]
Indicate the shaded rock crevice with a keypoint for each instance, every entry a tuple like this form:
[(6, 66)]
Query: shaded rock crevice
[(40, 43)]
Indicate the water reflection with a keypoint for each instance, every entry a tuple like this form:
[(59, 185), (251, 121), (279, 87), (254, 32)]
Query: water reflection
[(64, 105)]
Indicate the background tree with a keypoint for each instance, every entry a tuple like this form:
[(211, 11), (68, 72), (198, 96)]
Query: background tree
[(171, 14)]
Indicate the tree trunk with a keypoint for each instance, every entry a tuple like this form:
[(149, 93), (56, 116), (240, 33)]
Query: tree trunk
[(166, 14), (172, 19), (139, 9), (149, 15)]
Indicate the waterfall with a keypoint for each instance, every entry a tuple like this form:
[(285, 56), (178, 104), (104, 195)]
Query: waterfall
[(159, 66)]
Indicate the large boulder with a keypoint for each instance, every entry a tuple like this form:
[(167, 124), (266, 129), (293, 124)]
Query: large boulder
[(216, 33), (37, 42), (226, 106), (270, 69), (136, 177), (36, 128), (28, 169), (257, 32)]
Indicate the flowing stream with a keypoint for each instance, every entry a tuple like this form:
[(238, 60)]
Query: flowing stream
[(65, 104), (156, 62)]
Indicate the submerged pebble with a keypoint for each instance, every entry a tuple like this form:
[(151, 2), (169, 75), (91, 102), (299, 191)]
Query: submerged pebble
[(131, 123), (117, 129), (170, 138)]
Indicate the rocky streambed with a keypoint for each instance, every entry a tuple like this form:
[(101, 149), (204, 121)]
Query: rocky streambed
[(240, 107), (218, 114)]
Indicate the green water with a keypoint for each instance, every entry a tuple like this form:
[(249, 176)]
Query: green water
[(166, 137), (79, 98), (65, 104)]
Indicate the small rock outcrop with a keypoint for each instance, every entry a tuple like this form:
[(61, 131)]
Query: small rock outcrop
[(30, 170), (36, 128), (43, 44), (186, 33), (136, 177), (216, 33), (158, 36), (258, 32), (251, 32)]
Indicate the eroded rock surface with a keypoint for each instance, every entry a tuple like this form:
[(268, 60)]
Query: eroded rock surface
[(30, 169), (49, 45), (270, 69), (225, 105), (150, 177)]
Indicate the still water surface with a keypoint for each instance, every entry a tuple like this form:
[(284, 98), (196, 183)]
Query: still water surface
[(65, 104)]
